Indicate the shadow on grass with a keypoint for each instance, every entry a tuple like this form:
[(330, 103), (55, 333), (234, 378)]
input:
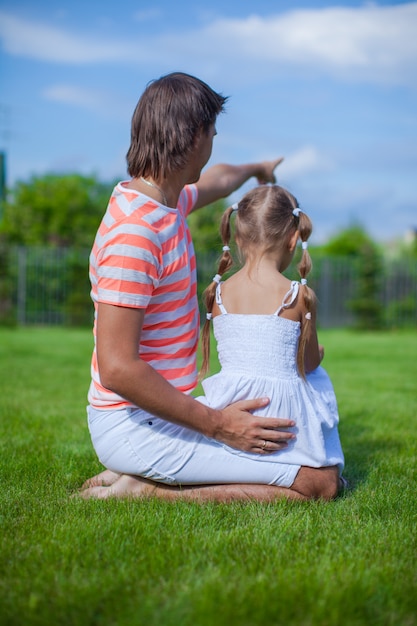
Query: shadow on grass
[(363, 450)]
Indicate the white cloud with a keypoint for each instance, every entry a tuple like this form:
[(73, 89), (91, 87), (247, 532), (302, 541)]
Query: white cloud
[(369, 42), (105, 104), (47, 43), (342, 37), (69, 94), (305, 160)]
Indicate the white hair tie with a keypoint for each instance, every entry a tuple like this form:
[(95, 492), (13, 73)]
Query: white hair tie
[(304, 281), (217, 278), (304, 245), (235, 206), (296, 212), (226, 248), (308, 316), (209, 316)]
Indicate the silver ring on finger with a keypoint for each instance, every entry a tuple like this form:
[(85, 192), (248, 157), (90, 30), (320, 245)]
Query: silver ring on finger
[(264, 444)]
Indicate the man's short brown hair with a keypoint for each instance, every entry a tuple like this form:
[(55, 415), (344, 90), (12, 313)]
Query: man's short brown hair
[(169, 115)]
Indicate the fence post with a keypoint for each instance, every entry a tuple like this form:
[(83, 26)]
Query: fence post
[(21, 284), (324, 312)]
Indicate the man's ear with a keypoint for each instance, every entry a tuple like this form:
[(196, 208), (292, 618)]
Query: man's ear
[(292, 241)]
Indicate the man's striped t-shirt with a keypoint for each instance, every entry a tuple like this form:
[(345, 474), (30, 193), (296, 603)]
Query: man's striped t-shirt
[(143, 257)]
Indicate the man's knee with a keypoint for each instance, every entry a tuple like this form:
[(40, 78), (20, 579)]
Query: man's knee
[(330, 486), (317, 483)]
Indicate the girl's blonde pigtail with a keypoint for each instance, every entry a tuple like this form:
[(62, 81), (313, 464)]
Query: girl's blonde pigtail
[(304, 268), (209, 294)]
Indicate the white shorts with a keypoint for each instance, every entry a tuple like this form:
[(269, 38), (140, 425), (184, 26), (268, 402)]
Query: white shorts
[(131, 441)]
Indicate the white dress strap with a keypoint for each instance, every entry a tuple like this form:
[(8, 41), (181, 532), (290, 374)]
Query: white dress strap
[(289, 297), (219, 299)]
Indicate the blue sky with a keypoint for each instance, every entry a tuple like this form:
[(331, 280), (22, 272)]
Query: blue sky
[(331, 86)]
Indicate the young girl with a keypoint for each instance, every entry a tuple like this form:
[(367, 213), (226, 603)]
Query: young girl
[(265, 327)]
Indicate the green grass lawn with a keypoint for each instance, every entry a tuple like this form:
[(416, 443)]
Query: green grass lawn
[(131, 563)]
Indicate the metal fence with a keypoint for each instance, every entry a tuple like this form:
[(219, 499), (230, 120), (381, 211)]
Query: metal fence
[(50, 286), (44, 286)]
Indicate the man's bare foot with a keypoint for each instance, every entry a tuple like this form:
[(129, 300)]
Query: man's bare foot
[(99, 493), (104, 479), (123, 486)]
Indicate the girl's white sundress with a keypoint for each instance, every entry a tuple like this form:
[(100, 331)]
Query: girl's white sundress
[(258, 358)]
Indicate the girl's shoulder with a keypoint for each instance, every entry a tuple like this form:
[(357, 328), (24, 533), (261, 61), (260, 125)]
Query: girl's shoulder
[(294, 305)]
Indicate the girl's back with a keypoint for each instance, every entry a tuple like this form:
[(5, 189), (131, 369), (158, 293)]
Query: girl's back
[(253, 338)]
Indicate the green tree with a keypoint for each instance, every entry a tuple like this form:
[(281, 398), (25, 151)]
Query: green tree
[(355, 243), (55, 210), (348, 243), (367, 304), (205, 231), (205, 228)]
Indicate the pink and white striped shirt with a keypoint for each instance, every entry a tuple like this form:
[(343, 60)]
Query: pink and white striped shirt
[(143, 257)]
